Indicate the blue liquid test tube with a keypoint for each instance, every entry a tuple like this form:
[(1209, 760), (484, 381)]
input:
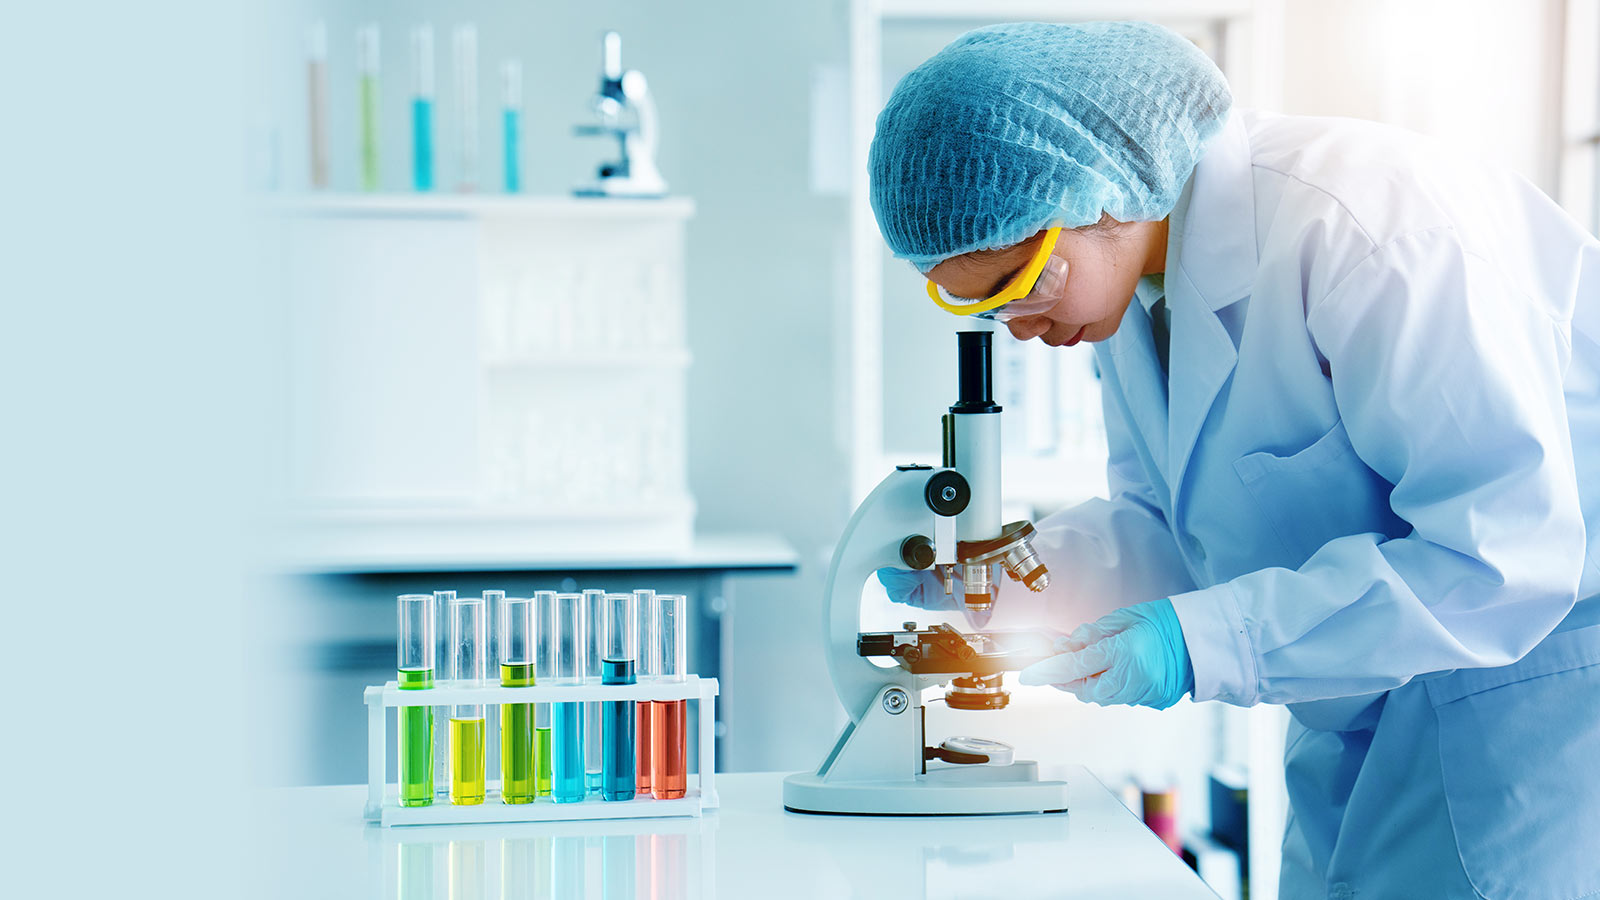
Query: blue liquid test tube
[(595, 610), (621, 653), (422, 107), (566, 719), (511, 123)]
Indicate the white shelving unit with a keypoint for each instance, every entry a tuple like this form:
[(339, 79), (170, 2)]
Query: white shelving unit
[(512, 366), (383, 797), (1226, 29)]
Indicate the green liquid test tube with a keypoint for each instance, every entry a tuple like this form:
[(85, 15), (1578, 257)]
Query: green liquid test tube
[(544, 610), (367, 68), (518, 753), (468, 653), (416, 649)]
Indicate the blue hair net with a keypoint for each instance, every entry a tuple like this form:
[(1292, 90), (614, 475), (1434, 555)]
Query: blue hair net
[(1013, 128)]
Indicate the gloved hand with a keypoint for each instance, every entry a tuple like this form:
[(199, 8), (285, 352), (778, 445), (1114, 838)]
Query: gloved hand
[(924, 590), (1135, 655)]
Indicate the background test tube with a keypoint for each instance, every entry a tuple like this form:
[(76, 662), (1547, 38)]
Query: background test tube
[(466, 59), (544, 611), (469, 650), (511, 123), (367, 67), (594, 611), (422, 94), (416, 650), (669, 774), (518, 753), (566, 719), (619, 640), (645, 635), (317, 103)]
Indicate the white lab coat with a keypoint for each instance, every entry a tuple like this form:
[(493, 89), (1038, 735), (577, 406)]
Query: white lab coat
[(1373, 494)]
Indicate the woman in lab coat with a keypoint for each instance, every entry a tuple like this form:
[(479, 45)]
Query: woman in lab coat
[(1352, 393)]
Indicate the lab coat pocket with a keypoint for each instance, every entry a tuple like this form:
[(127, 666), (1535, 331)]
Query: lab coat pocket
[(1518, 749), (1317, 494)]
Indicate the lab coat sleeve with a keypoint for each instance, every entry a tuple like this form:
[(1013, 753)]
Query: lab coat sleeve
[(1103, 554), (1448, 380)]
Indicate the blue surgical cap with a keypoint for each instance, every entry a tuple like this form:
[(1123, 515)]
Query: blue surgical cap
[(1013, 128)]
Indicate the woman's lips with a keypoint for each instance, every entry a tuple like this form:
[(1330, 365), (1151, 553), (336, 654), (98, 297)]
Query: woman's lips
[(1076, 337)]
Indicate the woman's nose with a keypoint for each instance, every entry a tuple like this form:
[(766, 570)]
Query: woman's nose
[(1026, 328)]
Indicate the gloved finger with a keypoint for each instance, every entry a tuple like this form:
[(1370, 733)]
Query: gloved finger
[(1092, 632), (921, 589), (1065, 667)]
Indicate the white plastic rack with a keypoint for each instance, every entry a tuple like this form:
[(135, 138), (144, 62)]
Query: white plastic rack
[(383, 796)]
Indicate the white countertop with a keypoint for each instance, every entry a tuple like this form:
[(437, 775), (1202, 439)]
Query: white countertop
[(314, 843)]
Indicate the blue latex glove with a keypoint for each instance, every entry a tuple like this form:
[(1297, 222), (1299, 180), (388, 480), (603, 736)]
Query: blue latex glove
[(924, 590), (1135, 656)]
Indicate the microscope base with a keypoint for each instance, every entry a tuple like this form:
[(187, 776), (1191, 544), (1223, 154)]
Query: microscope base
[(944, 791)]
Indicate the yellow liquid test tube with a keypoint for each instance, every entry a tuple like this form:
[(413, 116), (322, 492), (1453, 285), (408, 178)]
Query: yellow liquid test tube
[(468, 625)]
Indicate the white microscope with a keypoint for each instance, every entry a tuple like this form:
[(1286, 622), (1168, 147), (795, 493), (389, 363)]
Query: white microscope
[(626, 112), (882, 763)]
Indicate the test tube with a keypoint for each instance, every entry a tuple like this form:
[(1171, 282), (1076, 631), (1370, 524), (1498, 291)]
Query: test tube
[(518, 756), (620, 640), (544, 610), (511, 122), (422, 94), (645, 640), (317, 103), (566, 719), (367, 68), (416, 650), (466, 58), (468, 651), (594, 611), (669, 773)]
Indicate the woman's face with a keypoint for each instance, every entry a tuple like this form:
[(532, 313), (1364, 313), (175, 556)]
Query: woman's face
[(1104, 263)]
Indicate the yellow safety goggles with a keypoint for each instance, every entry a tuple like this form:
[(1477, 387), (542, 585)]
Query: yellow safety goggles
[(1033, 290)]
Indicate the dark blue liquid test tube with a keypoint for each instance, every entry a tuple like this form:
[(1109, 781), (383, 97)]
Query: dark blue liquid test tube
[(617, 777)]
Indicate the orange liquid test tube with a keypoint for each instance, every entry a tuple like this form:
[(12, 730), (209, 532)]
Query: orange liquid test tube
[(669, 770), (645, 616)]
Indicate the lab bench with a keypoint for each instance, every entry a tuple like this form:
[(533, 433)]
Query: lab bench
[(315, 843)]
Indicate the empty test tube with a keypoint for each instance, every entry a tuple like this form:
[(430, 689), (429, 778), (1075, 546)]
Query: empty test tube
[(468, 649), (518, 753), (465, 42), (644, 611), (566, 719), (669, 774), (620, 648), (416, 651), (544, 611), (594, 611)]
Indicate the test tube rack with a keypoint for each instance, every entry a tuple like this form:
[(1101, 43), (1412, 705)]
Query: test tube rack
[(383, 796)]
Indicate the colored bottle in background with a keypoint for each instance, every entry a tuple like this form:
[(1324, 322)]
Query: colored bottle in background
[(416, 649), (566, 719), (465, 44), (669, 772), (317, 104), (367, 69), (645, 615), (422, 94), (511, 123), (469, 652), (620, 649), (518, 756), (1161, 813)]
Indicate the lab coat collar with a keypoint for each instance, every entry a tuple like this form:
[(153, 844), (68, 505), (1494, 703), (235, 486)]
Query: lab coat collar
[(1217, 244)]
